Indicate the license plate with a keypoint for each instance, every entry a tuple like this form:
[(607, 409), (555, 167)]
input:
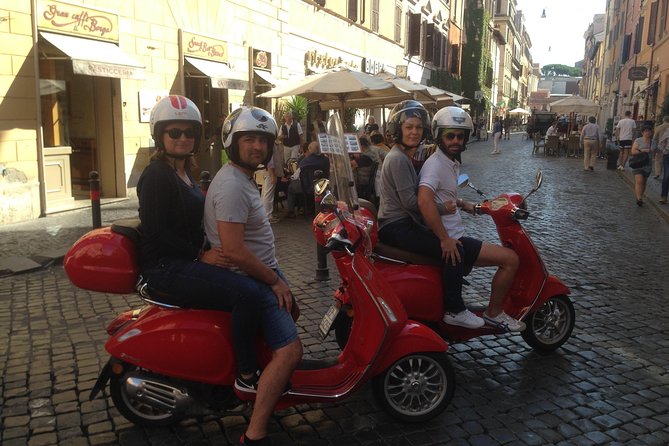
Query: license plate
[(328, 320)]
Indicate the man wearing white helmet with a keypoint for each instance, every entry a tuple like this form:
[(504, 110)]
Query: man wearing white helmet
[(235, 220), (451, 128)]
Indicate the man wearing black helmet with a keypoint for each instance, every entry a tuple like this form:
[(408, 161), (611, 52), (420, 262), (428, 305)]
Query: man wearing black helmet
[(400, 221), (236, 221)]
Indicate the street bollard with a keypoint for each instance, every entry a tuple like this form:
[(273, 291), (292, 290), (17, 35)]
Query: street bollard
[(205, 181), (94, 186), (322, 271)]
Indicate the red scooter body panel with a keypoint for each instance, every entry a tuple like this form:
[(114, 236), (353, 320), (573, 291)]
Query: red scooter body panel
[(102, 260), (194, 345), (418, 288)]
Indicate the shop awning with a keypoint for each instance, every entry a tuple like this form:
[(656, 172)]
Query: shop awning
[(96, 58), (220, 74), (267, 77)]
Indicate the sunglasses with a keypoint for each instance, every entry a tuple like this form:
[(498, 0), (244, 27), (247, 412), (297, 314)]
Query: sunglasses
[(176, 133), (460, 136)]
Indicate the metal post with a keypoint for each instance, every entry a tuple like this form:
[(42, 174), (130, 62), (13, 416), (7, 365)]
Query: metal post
[(205, 181), (322, 272), (94, 182)]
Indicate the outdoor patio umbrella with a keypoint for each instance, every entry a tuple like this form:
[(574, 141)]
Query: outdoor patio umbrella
[(519, 111), (342, 88), (574, 104)]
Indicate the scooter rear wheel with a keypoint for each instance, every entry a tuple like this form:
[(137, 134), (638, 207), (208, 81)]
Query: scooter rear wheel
[(551, 325), (417, 387), (135, 411)]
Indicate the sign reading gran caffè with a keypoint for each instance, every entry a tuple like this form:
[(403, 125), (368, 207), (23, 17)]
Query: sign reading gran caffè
[(77, 20), (637, 73)]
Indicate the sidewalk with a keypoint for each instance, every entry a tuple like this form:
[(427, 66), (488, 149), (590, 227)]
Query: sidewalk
[(653, 190)]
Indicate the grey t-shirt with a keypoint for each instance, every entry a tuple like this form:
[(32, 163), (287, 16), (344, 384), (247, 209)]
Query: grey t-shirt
[(233, 197), (399, 184)]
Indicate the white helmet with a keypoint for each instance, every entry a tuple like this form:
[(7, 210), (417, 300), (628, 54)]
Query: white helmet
[(174, 108), (248, 120), (451, 117)]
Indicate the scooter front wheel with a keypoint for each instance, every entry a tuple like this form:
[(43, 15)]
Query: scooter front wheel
[(551, 325), (417, 387), (134, 409)]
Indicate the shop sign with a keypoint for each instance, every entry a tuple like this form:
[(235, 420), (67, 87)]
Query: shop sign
[(262, 60), (316, 61), (637, 73), (370, 66), (204, 47), (77, 20)]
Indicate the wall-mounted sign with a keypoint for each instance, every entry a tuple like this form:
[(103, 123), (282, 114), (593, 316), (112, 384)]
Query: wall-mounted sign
[(204, 47), (371, 66), (637, 73), (401, 71), (77, 20), (262, 60), (315, 61)]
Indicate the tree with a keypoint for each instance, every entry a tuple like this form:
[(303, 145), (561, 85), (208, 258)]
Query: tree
[(664, 111), (561, 70)]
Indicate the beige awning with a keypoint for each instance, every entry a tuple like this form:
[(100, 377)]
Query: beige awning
[(96, 58), (220, 74), (267, 77)]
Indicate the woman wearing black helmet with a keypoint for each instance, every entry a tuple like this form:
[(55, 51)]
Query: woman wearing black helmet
[(400, 222)]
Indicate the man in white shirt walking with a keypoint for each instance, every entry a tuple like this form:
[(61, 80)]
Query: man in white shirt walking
[(624, 137)]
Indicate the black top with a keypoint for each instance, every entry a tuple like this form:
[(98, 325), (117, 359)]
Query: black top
[(171, 214)]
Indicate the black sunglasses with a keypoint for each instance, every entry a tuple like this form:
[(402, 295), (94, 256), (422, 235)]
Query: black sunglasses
[(176, 133), (455, 136)]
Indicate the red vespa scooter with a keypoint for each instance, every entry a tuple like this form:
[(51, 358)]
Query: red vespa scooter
[(170, 362), (536, 297)]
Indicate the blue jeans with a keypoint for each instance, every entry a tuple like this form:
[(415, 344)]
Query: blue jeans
[(253, 304), (665, 176), (410, 236)]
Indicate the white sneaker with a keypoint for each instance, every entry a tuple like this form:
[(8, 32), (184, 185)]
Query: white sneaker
[(464, 318), (505, 322), (621, 168)]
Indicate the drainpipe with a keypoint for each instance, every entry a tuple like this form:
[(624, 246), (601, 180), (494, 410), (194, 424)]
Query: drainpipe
[(38, 108)]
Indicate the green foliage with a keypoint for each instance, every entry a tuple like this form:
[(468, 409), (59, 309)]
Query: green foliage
[(298, 106), (608, 130), (349, 119), (664, 111), (446, 81), (476, 62), (561, 70)]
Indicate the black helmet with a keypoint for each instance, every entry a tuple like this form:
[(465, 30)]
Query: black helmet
[(403, 111)]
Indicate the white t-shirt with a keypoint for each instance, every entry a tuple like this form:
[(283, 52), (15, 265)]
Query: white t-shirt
[(626, 132), (440, 174), (233, 197)]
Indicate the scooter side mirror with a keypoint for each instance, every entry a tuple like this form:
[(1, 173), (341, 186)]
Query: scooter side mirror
[(538, 179), (321, 186), (463, 180), (328, 203)]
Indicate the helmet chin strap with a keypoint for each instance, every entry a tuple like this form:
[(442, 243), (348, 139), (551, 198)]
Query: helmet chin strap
[(178, 157)]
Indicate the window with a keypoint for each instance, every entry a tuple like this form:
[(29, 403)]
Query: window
[(638, 34), (455, 59), (652, 24), (662, 28), (428, 53), (352, 12), (627, 43), (398, 22), (375, 16), (498, 7), (413, 35)]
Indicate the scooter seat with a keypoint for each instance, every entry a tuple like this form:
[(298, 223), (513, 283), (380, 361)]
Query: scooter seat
[(392, 253)]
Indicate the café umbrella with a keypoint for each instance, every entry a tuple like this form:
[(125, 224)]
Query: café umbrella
[(574, 104), (342, 88)]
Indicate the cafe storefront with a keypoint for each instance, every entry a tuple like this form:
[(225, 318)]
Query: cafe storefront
[(80, 69)]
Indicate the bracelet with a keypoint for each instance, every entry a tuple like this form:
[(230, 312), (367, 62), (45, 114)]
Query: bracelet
[(275, 280)]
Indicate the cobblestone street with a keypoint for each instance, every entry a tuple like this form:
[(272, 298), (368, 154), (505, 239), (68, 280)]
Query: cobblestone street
[(609, 384)]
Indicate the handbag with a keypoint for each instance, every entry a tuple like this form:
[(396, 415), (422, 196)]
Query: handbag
[(639, 160)]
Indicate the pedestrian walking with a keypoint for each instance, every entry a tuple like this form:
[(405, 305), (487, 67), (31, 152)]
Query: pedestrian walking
[(496, 135), (641, 150), (658, 152), (590, 137), (624, 136)]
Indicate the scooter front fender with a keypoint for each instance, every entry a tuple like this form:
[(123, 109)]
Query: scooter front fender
[(414, 338), (553, 287)]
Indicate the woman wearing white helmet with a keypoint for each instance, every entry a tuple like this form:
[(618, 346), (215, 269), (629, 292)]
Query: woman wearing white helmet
[(236, 221), (175, 258), (451, 127)]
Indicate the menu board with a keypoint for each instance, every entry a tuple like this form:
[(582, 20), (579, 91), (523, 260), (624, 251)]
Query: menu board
[(330, 144), (352, 143)]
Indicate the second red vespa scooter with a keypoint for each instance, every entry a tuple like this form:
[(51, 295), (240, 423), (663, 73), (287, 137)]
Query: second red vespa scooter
[(536, 297)]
